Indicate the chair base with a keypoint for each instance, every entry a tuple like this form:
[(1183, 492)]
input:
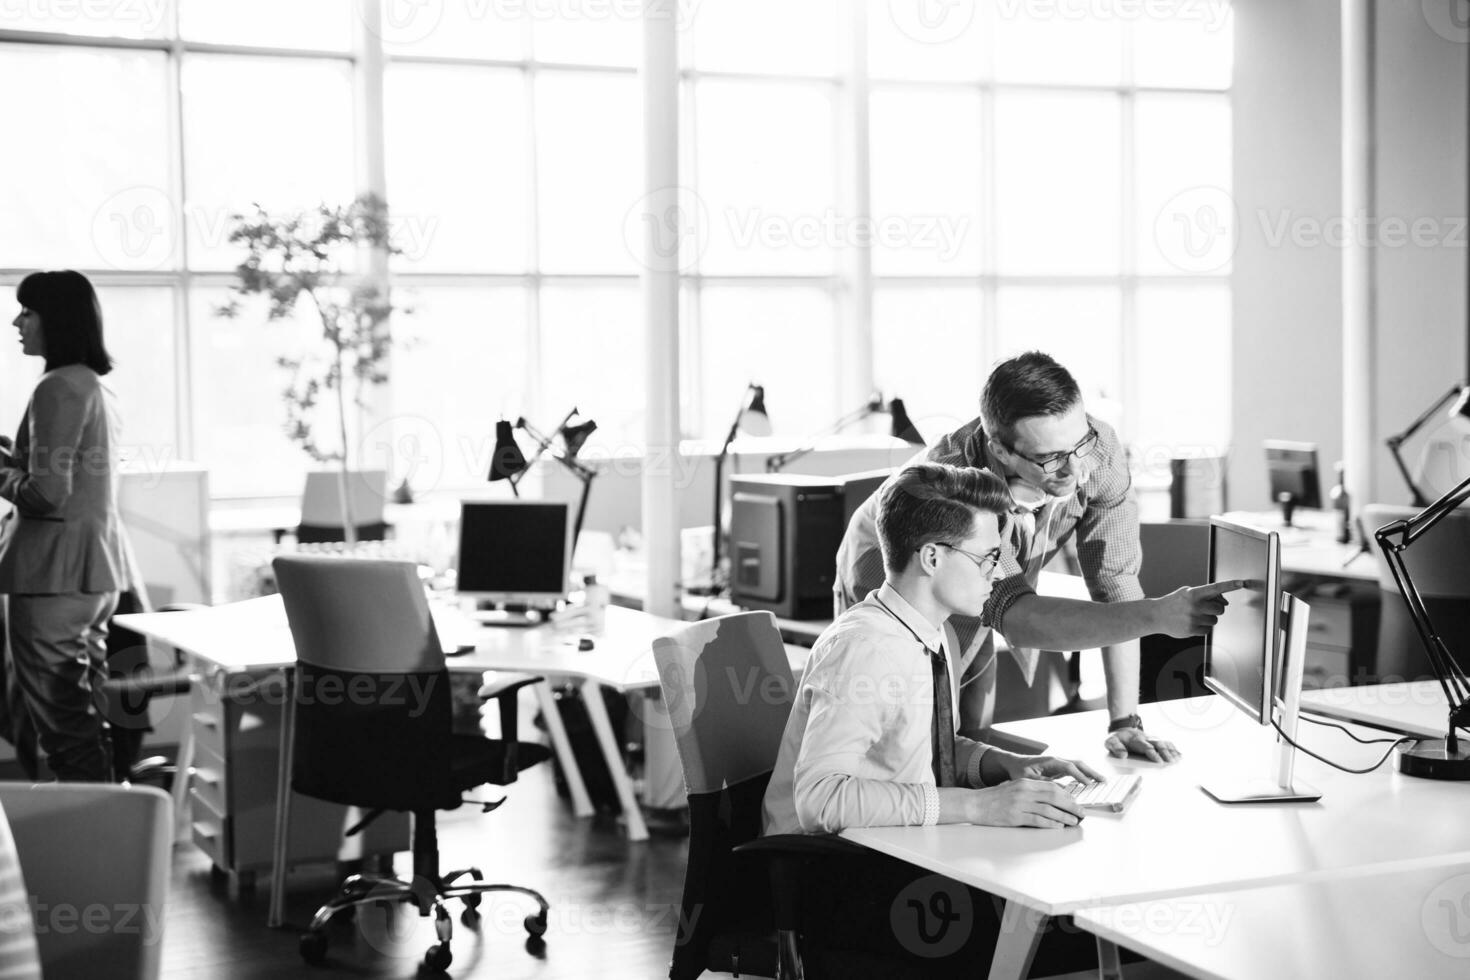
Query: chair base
[(367, 889)]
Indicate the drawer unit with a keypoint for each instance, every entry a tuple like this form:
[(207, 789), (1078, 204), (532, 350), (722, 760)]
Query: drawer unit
[(236, 723), (1342, 634)]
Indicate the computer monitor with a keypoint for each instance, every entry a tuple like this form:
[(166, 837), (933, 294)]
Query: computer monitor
[(1295, 481), (515, 554), (1254, 654)]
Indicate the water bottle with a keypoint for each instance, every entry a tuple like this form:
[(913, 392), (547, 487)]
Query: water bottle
[(595, 597), (1342, 505)]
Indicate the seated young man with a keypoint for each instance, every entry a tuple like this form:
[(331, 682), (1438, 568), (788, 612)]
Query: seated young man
[(872, 740)]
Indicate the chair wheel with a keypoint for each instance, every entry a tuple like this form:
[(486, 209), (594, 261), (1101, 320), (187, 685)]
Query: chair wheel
[(470, 918), (313, 947), (438, 957), (472, 901), (535, 924)]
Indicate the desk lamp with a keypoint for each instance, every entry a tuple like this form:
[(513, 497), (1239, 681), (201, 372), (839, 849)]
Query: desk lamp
[(1439, 758), (751, 418), (508, 463), (900, 427), (1460, 395)]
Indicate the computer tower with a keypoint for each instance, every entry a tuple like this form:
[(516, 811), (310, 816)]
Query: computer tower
[(785, 529)]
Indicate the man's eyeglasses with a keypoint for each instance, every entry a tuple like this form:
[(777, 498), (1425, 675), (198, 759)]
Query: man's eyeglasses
[(987, 562), (1050, 464)]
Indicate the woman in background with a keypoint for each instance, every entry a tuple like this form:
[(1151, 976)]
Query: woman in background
[(63, 554)]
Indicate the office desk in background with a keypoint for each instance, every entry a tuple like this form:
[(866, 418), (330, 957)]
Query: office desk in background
[(1175, 840), (252, 639)]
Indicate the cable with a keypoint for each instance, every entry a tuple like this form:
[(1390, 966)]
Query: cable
[(1355, 772), (1348, 733)]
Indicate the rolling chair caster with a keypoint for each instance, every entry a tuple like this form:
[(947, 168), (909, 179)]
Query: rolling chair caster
[(313, 947)]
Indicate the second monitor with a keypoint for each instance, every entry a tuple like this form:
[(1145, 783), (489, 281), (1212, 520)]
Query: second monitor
[(1295, 478)]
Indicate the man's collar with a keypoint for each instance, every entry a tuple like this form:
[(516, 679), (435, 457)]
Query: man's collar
[(929, 634)]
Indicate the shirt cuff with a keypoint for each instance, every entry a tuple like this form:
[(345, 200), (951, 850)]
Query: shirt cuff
[(931, 804)]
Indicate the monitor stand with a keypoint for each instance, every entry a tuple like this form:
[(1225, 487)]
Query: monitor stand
[(514, 616), (1287, 501), (1282, 787)]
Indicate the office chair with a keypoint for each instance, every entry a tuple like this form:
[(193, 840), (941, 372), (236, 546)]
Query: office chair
[(372, 728), (87, 847), (1438, 565), (132, 683), (321, 506), (740, 911)]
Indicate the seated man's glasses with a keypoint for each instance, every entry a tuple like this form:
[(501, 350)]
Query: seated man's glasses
[(986, 563), (1050, 464)]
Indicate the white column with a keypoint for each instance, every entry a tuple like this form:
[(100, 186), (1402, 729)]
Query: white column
[(856, 195), (659, 73), (1358, 293)]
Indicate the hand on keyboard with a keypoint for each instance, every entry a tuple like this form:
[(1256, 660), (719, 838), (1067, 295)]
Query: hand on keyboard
[(1112, 795)]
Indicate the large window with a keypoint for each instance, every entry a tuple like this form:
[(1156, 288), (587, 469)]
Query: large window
[(883, 194)]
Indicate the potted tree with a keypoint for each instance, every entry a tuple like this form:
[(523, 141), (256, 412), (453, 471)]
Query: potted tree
[(315, 255)]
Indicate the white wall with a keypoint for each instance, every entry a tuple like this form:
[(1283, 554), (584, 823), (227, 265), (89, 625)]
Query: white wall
[(1288, 312)]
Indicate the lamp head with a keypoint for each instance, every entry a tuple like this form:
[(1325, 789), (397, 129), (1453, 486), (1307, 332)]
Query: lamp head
[(507, 460), (573, 436), (753, 418), (900, 425)]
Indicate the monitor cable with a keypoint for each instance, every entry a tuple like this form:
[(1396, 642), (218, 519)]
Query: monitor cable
[(1356, 772)]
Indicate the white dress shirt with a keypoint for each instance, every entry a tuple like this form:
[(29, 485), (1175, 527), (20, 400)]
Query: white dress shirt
[(858, 751)]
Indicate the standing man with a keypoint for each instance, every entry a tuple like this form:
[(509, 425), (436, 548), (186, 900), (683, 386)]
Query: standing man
[(1068, 476)]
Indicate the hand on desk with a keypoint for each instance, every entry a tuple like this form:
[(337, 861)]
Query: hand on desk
[(1022, 803), (1126, 742)]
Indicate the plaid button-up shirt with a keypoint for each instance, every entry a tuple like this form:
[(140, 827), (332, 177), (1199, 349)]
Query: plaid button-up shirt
[(1102, 514)]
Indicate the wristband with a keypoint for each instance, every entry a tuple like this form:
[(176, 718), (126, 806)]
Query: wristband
[(1127, 721)]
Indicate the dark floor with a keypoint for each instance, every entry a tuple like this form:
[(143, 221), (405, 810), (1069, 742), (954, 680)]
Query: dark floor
[(613, 905)]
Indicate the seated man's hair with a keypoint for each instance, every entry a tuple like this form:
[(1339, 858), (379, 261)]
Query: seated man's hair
[(1024, 387), (934, 502)]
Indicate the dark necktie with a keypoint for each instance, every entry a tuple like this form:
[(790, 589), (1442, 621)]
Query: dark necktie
[(942, 734)]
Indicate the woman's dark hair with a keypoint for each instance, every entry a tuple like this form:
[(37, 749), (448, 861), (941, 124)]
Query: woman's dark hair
[(1023, 387), (71, 318), (935, 502)]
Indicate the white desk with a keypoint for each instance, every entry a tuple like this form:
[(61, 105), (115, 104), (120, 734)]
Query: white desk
[(253, 636), (1413, 707), (1413, 923), (1175, 840)]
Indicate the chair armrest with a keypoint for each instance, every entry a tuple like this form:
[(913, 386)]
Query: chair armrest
[(502, 686), (799, 846)]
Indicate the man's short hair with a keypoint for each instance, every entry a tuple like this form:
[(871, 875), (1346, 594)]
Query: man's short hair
[(1023, 387), (934, 502)]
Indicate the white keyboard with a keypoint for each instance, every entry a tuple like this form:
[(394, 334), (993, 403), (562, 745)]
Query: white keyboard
[(1112, 795)]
